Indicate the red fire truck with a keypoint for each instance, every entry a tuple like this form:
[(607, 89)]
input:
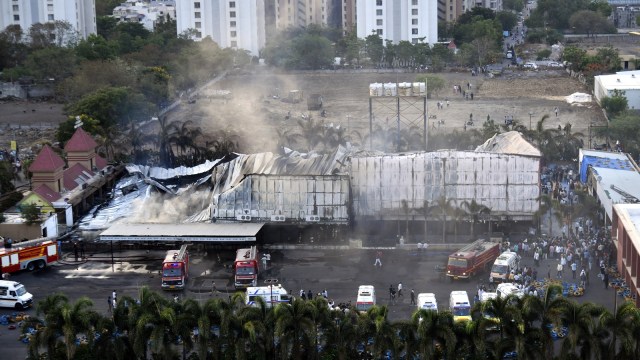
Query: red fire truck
[(472, 259), (245, 268), (30, 255), (175, 269)]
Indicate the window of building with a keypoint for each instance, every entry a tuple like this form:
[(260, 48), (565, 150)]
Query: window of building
[(414, 21), (198, 24), (198, 34), (232, 4), (196, 4), (379, 12), (234, 43), (414, 2), (378, 2), (379, 31), (379, 22), (414, 11), (49, 7), (16, 17), (232, 23), (414, 31), (16, 8), (414, 40), (232, 14), (50, 17), (197, 15), (234, 34)]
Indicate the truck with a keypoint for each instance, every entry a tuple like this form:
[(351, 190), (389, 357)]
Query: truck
[(29, 255), (272, 295), (314, 102), (472, 259), (175, 269), (245, 268)]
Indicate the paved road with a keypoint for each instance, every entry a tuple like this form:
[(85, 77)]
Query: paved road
[(338, 271)]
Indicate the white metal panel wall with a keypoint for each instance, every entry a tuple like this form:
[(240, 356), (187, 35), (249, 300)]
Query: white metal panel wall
[(507, 184), (291, 196)]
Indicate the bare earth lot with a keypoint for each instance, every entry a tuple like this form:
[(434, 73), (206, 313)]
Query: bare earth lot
[(257, 115)]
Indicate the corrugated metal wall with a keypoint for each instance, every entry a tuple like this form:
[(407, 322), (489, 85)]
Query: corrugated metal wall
[(507, 184), (294, 197)]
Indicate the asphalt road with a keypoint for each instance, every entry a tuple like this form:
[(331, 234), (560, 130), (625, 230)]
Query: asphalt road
[(338, 271)]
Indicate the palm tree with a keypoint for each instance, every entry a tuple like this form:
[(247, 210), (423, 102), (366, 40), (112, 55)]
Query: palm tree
[(474, 210), (434, 331), (64, 322), (580, 321), (545, 139), (569, 142), (619, 339), (545, 311), (188, 312), (340, 336), (258, 324), (426, 210), (457, 214), (444, 205), (166, 133), (294, 329), (375, 325), (404, 204)]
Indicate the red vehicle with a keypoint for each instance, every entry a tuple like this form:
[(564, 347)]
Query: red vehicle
[(472, 259), (175, 269), (28, 255), (245, 268)]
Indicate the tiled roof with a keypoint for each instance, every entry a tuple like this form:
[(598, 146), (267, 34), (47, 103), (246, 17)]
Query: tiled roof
[(75, 176), (80, 141), (46, 161), (101, 162), (47, 193)]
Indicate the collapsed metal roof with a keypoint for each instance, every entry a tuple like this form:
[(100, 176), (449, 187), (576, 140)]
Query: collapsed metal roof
[(510, 142)]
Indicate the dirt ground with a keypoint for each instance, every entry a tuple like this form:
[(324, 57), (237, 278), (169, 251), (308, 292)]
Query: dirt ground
[(346, 101), (259, 116)]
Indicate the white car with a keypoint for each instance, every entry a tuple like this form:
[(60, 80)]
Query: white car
[(530, 65), (555, 64)]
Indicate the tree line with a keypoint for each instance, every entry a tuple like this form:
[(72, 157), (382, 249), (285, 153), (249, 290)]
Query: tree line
[(548, 326)]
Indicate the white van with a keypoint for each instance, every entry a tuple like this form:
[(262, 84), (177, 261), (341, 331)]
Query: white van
[(505, 289), (14, 295), (503, 265), (460, 306), (366, 297), (427, 301), (272, 295)]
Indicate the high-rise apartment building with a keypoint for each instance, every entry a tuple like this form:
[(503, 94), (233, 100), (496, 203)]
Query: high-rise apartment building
[(398, 20), (237, 24), (81, 14), (348, 12), (306, 12)]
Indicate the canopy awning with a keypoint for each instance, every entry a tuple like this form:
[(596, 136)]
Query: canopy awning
[(217, 232)]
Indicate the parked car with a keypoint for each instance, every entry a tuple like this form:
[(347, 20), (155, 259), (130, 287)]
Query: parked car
[(555, 64), (530, 65)]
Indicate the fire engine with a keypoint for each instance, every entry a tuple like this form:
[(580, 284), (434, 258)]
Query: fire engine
[(175, 269), (28, 255), (472, 259), (245, 268)]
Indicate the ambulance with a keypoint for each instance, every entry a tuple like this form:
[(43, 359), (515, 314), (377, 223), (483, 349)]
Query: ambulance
[(366, 297), (14, 295), (272, 295), (427, 301), (460, 306)]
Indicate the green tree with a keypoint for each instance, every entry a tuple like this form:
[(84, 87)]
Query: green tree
[(591, 22), (616, 103), (294, 328), (374, 48), (507, 19), (311, 52), (435, 84), (575, 56), (474, 210), (515, 5), (51, 63), (435, 335), (445, 209), (95, 47), (30, 213)]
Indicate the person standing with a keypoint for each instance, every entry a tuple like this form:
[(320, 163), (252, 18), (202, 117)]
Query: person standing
[(110, 304), (556, 111), (605, 279), (559, 271), (400, 290), (310, 295), (325, 294), (574, 268), (413, 297), (378, 259)]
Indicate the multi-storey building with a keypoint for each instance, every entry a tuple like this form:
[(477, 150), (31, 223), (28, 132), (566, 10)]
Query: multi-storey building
[(237, 24), (306, 12), (81, 14), (348, 13), (148, 13), (398, 20)]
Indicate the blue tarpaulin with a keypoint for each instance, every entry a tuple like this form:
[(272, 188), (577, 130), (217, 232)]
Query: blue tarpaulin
[(599, 162)]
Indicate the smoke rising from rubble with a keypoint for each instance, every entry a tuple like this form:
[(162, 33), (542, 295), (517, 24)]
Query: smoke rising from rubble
[(167, 209)]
